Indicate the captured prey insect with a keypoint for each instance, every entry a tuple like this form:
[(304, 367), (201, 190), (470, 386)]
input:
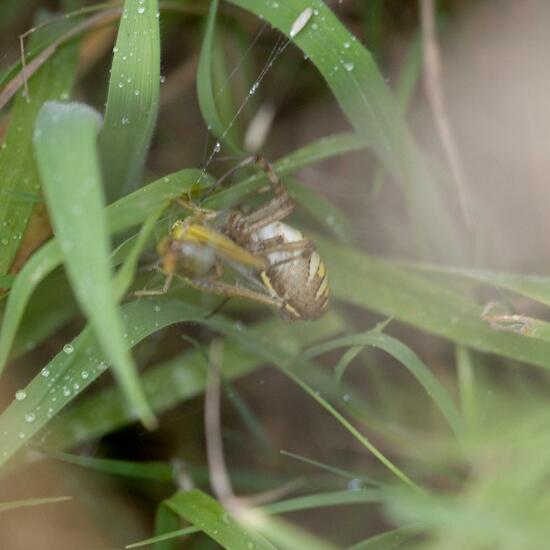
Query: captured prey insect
[(279, 266)]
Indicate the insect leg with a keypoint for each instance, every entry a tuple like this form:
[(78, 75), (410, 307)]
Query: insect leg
[(224, 289), (157, 291)]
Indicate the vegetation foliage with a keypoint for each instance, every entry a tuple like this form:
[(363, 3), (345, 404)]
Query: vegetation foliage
[(453, 456)]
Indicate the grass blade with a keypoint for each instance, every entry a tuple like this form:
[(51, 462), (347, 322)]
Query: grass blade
[(30, 502), (18, 173), (205, 86), (133, 98), (65, 142), (408, 359)]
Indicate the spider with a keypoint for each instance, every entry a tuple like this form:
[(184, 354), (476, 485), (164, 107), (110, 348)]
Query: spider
[(281, 267)]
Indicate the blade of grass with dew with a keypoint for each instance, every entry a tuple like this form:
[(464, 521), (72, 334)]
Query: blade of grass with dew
[(210, 517), (18, 173), (404, 355), (65, 145), (176, 380), (208, 98), (122, 215), (365, 99), (14, 504), (68, 374), (133, 98), (381, 286)]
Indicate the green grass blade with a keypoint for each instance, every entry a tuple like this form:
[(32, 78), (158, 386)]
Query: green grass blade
[(133, 98), (208, 97), (370, 108), (18, 173), (148, 471), (210, 517), (65, 143), (408, 359), (14, 504)]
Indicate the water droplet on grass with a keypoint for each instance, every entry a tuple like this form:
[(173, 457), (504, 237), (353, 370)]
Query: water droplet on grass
[(30, 418), (20, 395), (68, 349)]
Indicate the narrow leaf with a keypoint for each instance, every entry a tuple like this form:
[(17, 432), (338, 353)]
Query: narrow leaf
[(65, 145)]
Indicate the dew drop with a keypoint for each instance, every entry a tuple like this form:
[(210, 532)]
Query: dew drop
[(348, 66), (162, 79), (68, 349), (141, 9), (20, 395), (30, 418), (45, 372), (354, 485), (217, 147)]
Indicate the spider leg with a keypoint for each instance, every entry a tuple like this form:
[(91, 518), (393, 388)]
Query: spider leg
[(156, 291), (230, 291)]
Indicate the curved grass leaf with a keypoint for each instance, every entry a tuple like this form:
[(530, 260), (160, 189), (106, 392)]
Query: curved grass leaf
[(65, 143), (408, 359), (30, 502), (18, 173), (133, 98), (370, 108), (210, 517), (208, 98)]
